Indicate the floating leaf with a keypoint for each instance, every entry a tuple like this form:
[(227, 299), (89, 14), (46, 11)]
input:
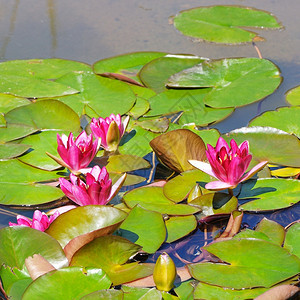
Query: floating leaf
[(179, 227), (145, 228), (178, 188), (21, 184), (81, 225), (190, 102), (140, 107), (50, 68), (126, 163), (221, 24), (125, 67), (133, 293), (9, 102), (104, 295), (291, 242), (136, 142), (176, 147), (68, 283), (185, 290), (155, 125), (31, 87), (153, 198), (284, 118), (271, 144), (207, 291), (156, 73), (24, 242), (9, 151), (285, 172), (235, 81), (40, 144), (272, 230), (293, 96), (111, 254), (98, 96), (269, 194), (45, 115), (252, 263), (215, 203), (14, 132)]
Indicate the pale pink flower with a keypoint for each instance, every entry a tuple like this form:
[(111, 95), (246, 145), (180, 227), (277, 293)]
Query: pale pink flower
[(78, 154), (110, 130), (228, 164), (97, 190), (40, 220)]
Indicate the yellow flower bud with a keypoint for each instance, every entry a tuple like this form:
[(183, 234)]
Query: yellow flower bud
[(164, 273), (113, 136)]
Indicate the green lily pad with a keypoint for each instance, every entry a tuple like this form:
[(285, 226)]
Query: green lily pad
[(215, 203), (271, 144), (291, 242), (153, 198), (9, 102), (156, 125), (31, 87), (271, 229), (98, 95), (252, 234), (9, 151), (23, 242), (133, 293), (145, 228), (140, 107), (50, 68), (14, 132), (21, 184), (176, 147), (68, 283), (40, 144), (45, 115), (185, 290), (104, 295), (14, 281), (136, 142), (126, 163), (178, 188), (84, 220), (130, 178), (235, 81), (156, 73), (190, 103), (178, 227), (207, 291), (125, 67), (284, 118), (252, 263), (293, 96), (2, 121), (269, 194), (111, 254), (221, 24)]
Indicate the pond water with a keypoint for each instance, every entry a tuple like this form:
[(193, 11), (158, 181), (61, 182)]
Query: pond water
[(91, 30)]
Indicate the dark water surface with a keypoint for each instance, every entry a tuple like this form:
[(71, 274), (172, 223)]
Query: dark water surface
[(91, 30)]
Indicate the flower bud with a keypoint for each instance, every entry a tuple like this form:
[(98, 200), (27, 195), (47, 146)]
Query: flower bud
[(164, 273)]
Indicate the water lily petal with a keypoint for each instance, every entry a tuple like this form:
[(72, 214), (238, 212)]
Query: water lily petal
[(254, 170), (218, 185), (116, 187), (205, 167), (220, 144)]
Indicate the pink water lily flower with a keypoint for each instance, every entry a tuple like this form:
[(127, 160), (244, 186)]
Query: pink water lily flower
[(97, 190), (78, 154), (110, 130), (228, 164), (40, 220)]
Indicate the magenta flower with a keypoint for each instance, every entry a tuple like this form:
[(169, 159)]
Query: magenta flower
[(110, 130), (97, 190), (76, 155), (228, 164), (40, 220)]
